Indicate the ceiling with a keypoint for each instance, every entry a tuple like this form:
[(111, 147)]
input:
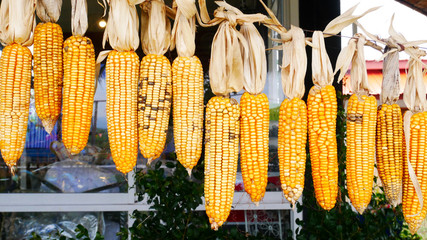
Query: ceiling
[(418, 5)]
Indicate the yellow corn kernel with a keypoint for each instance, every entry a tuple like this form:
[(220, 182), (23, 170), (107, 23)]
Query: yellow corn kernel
[(361, 124), (187, 92), (254, 130), (411, 207), (292, 141), (79, 89), (389, 151), (154, 102), (15, 87), (322, 114), (221, 154), (48, 73), (122, 73)]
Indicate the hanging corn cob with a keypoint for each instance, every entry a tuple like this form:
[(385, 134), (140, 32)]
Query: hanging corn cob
[(254, 115), (222, 113), (48, 70), (17, 21), (322, 113), (187, 87), (361, 125), (293, 117), (79, 81), (122, 73), (415, 123), (292, 138), (389, 135), (155, 83)]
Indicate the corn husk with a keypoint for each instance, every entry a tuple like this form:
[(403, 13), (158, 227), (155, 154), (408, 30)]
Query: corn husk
[(339, 23), (294, 64), (49, 10), (184, 28), (321, 66), (79, 22), (155, 27), (255, 64), (226, 70), (355, 55), (122, 26), (17, 21), (390, 88)]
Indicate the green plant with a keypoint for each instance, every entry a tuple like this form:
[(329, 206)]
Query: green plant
[(81, 234), (380, 220), (174, 198)]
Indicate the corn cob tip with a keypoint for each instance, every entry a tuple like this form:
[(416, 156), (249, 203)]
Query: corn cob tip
[(360, 210), (414, 226), (256, 203), (189, 172), (214, 226), (12, 168), (48, 124), (150, 160)]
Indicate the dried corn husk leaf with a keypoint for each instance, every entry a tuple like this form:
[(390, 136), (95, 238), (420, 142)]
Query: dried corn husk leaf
[(255, 64), (273, 23), (321, 65), (122, 26), (17, 21), (339, 23), (155, 27), (184, 28), (79, 23), (414, 94), (355, 54), (229, 47), (390, 89), (49, 10), (226, 62), (294, 64)]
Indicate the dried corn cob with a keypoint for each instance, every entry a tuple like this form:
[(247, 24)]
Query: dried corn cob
[(254, 125), (122, 72), (389, 151), (15, 77), (411, 207), (154, 101), (414, 201), (15, 86), (48, 73), (322, 114), (79, 89), (48, 67), (291, 147), (221, 154), (155, 83), (187, 85), (361, 121)]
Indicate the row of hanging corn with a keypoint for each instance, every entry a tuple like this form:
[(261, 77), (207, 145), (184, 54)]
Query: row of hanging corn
[(140, 94)]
